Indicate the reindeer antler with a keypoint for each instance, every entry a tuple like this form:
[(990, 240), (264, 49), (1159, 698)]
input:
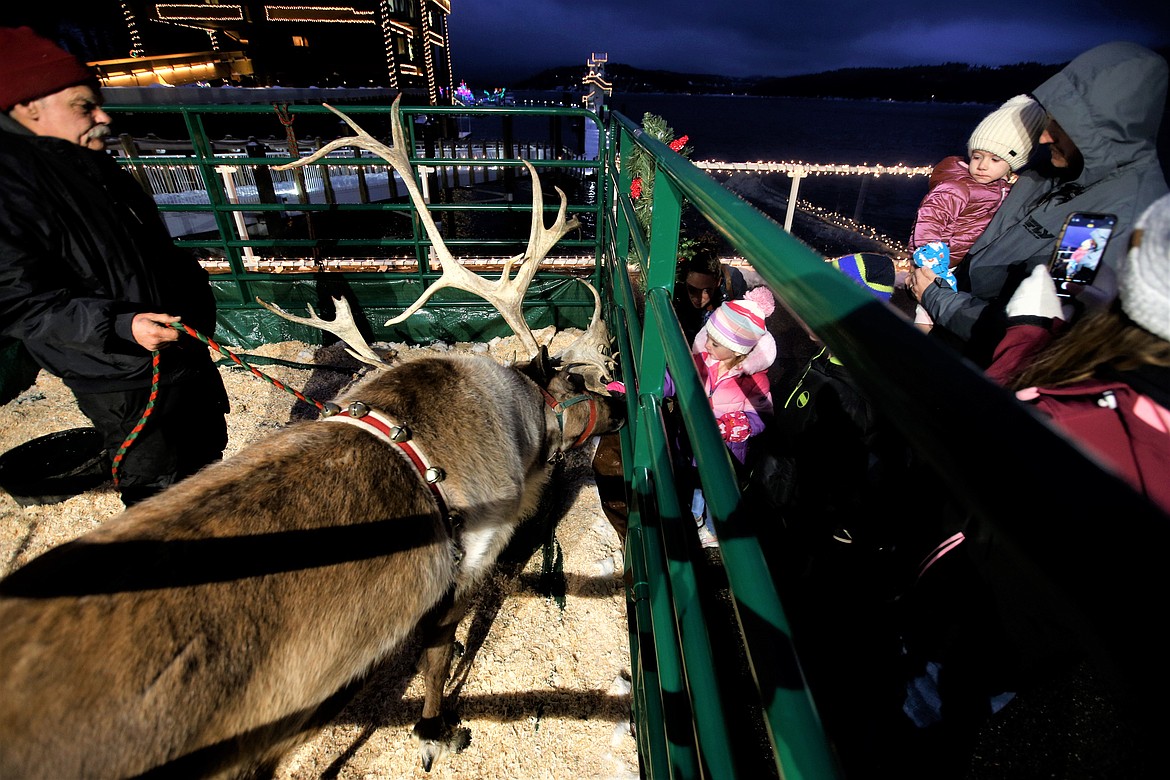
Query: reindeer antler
[(343, 326), (589, 355), (506, 294)]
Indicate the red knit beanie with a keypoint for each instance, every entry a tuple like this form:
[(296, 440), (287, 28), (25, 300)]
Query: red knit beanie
[(32, 67)]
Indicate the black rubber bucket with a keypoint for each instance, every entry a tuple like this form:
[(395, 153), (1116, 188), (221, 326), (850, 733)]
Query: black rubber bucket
[(53, 468)]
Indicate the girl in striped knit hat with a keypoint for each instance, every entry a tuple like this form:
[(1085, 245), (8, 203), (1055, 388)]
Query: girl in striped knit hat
[(732, 354)]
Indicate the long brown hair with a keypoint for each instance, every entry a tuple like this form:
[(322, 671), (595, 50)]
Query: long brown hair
[(1097, 340)]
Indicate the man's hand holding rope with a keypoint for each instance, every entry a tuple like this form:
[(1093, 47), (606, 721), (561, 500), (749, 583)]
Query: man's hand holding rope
[(153, 331)]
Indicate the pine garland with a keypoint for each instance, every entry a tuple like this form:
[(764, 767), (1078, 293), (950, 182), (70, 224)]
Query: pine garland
[(641, 170)]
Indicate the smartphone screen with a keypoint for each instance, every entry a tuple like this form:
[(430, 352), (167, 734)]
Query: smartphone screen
[(1079, 249)]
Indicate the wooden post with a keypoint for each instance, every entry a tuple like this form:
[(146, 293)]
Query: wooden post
[(363, 187), (130, 149), (796, 176), (265, 190), (326, 181)]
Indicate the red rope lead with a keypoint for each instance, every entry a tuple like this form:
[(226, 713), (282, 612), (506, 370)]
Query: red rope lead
[(326, 409), (121, 454)]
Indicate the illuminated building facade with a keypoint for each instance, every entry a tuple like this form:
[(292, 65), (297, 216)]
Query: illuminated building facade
[(399, 44)]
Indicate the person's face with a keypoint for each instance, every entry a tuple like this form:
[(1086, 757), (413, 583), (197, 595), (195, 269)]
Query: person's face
[(74, 114), (719, 351), (1063, 151), (985, 167), (701, 289)]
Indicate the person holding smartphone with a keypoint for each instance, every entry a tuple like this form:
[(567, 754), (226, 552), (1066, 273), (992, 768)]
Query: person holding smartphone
[(973, 635), (1103, 113)]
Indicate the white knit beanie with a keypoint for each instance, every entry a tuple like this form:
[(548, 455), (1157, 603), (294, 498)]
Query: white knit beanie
[(1010, 131), (1144, 280)]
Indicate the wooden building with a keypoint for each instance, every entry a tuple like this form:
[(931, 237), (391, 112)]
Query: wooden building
[(395, 44)]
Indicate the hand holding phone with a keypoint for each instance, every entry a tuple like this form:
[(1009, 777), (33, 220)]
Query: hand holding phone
[(1079, 250)]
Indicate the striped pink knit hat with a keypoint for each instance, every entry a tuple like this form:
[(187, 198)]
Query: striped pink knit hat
[(739, 324)]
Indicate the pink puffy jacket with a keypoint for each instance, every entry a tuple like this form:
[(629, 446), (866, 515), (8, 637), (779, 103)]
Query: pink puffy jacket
[(956, 209), (744, 389)]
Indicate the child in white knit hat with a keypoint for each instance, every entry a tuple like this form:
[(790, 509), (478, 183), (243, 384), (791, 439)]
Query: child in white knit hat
[(965, 194)]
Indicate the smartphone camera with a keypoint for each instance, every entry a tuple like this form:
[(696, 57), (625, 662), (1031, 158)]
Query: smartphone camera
[(1079, 250)]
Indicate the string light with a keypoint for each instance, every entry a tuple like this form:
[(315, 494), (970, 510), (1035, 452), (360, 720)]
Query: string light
[(428, 58), (199, 12), (136, 49), (814, 169), (388, 28), (311, 13)]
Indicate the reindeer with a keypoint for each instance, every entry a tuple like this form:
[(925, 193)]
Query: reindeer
[(209, 630)]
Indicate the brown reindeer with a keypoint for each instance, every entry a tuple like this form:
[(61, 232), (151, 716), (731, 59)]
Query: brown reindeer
[(209, 630)]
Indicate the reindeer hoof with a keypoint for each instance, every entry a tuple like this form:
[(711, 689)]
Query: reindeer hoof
[(437, 737)]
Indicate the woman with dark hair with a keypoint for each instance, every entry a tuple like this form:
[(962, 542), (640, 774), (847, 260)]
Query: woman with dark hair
[(702, 284)]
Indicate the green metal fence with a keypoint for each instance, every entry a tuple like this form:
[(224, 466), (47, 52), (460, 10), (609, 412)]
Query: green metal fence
[(1089, 546), (308, 243)]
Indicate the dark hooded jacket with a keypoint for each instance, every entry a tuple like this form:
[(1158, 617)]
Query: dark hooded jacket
[(83, 249), (1110, 102)]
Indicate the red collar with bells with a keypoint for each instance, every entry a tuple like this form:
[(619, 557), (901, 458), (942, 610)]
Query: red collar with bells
[(399, 436)]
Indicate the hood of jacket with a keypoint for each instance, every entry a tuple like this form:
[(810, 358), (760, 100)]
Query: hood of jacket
[(1109, 101), (951, 169)]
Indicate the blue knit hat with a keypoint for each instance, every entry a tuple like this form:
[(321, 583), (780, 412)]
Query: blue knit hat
[(872, 271)]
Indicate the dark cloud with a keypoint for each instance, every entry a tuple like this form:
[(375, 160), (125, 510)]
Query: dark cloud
[(505, 42)]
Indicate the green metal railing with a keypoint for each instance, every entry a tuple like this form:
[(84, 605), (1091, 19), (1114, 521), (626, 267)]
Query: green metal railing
[(324, 238), (988, 451), (994, 457)]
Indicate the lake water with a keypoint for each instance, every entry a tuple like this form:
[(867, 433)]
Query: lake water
[(749, 129)]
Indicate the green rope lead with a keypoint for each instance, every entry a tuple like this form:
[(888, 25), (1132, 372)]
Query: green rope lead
[(327, 409)]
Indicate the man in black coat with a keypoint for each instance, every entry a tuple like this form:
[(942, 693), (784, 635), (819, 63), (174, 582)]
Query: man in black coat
[(90, 280)]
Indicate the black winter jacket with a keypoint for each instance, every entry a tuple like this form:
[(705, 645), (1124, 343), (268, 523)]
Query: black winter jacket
[(82, 250)]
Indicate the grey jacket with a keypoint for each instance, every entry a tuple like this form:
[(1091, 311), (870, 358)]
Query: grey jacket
[(1110, 102)]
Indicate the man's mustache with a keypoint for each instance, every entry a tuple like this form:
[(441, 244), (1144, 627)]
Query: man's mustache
[(98, 132)]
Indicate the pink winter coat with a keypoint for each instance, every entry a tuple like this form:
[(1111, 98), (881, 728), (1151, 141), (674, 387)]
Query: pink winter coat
[(744, 389), (957, 208)]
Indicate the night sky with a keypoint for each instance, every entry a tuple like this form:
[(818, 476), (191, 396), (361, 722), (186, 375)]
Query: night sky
[(500, 42), (503, 42)]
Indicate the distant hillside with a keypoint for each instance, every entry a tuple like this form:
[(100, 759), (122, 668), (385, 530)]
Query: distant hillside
[(626, 78), (947, 83)]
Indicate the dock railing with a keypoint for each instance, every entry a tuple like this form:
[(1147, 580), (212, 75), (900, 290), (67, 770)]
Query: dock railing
[(1089, 547)]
